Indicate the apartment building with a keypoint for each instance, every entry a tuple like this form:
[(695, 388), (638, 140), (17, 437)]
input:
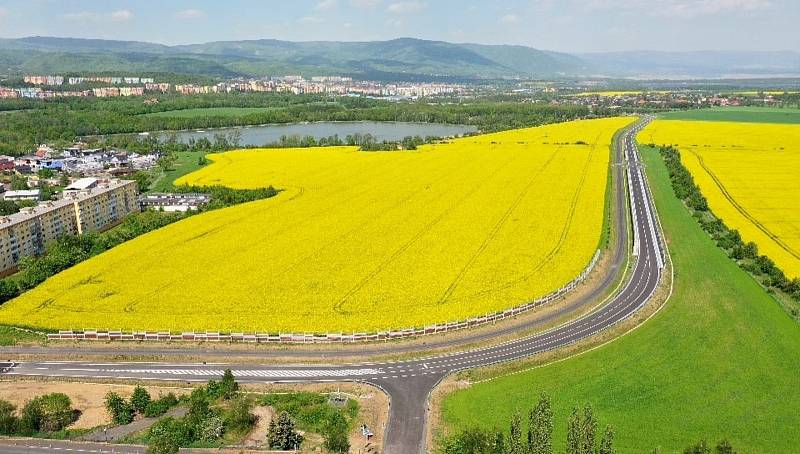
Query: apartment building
[(99, 206)]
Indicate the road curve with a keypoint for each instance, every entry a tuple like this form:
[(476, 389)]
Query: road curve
[(409, 383)]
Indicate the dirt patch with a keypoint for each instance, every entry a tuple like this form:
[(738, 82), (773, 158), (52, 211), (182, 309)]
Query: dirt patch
[(373, 410), (257, 437), (86, 397)]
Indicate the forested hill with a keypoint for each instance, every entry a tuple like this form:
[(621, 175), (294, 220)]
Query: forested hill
[(404, 58), (397, 59)]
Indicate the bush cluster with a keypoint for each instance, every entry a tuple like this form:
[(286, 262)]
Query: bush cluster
[(205, 422), (44, 414)]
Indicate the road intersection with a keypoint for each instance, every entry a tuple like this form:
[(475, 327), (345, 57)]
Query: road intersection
[(410, 382)]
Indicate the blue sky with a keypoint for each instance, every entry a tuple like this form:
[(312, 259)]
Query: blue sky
[(563, 25)]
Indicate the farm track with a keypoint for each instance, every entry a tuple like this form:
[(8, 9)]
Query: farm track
[(410, 382)]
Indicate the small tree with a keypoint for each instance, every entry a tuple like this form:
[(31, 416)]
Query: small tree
[(589, 431), (282, 434), (211, 428), (336, 439), (8, 422), (239, 416), (699, 448), (19, 182), (574, 433), (607, 442), (140, 399), (540, 429), (724, 447), (121, 412), (515, 445), (56, 412), (30, 420), (228, 386), (165, 436)]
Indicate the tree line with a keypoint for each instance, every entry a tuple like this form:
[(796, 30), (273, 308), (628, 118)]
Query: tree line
[(582, 436), (746, 255), (61, 121)]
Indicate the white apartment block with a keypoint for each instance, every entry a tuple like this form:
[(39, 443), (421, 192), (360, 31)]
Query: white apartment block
[(26, 233)]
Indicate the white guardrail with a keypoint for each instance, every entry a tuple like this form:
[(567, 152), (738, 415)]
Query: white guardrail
[(289, 338), (92, 334)]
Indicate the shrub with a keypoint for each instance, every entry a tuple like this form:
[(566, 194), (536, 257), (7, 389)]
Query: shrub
[(8, 422), (140, 399), (282, 435), (161, 405), (239, 417), (121, 412)]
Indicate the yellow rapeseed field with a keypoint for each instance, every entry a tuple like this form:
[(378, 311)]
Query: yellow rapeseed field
[(750, 174), (357, 242)]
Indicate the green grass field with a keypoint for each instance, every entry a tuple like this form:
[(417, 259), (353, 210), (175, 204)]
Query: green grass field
[(720, 360), (187, 162), (743, 114), (210, 112)]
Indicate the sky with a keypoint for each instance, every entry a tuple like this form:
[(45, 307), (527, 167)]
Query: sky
[(560, 25)]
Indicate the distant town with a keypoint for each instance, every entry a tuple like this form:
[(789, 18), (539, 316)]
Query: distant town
[(50, 86)]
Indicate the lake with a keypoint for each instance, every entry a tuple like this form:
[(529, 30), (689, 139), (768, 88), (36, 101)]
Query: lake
[(264, 134)]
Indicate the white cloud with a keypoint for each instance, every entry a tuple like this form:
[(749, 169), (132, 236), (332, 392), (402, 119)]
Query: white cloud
[(4, 13), (326, 5), (678, 8), (309, 20), (406, 7), (365, 3), (122, 15), (510, 19), (694, 8), (190, 14), (395, 23)]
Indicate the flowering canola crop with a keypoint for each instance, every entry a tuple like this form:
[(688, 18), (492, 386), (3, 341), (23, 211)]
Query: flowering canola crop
[(750, 174), (356, 242)]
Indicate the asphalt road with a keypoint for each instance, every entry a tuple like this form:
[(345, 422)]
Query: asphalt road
[(409, 383)]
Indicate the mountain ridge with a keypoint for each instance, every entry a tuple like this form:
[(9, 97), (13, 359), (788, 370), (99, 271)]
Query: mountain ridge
[(400, 58)]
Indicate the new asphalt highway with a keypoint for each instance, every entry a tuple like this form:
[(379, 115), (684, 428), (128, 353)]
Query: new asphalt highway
[(410, 382)]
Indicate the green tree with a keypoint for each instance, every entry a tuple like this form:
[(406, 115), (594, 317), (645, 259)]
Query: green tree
[(515, 444), (8, 290), (211, 428), (699, 448), (121, 412), (142, 181), (475, 440), (282, 435), (140, 399), (336, 439), (167, 436), (607, 442), (45, 173), (56, 412), (589, 431), (8, 207), (30, 419), (540, 427), (575, 433), (228, 385), (19, 182), (239, 417), (724, 447), (8, 421)]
